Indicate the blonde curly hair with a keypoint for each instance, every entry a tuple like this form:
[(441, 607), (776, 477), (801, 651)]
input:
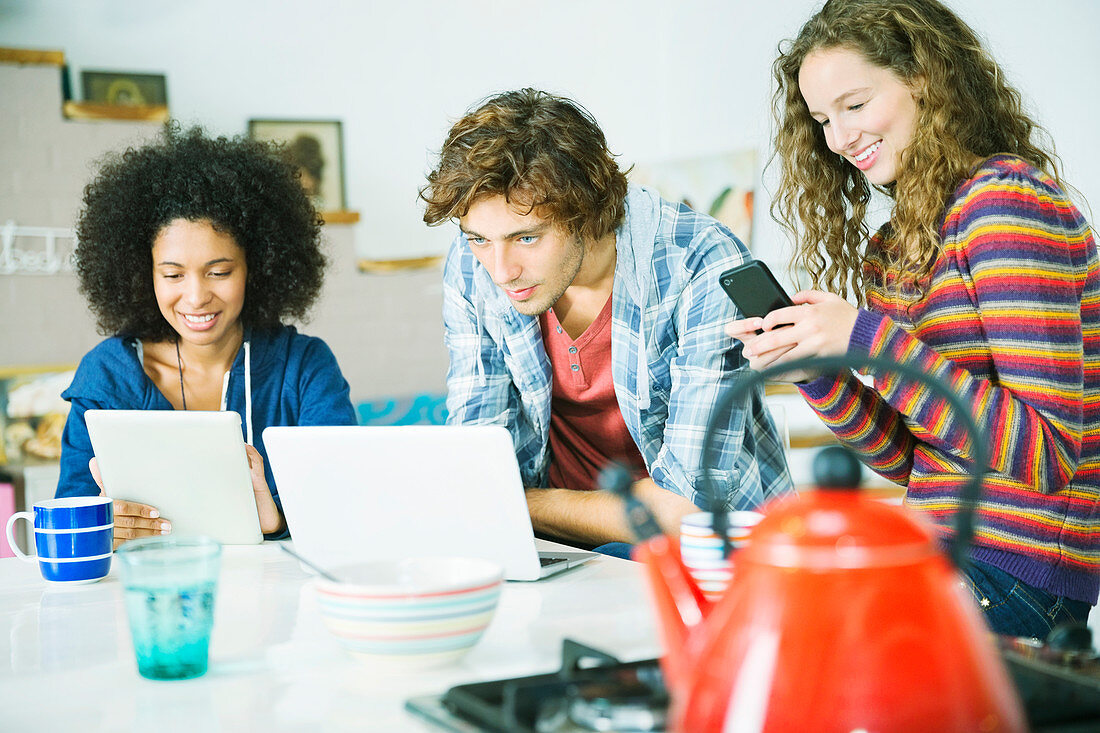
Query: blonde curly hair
[(965, 109)]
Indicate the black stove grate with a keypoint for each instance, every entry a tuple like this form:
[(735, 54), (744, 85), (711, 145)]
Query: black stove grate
[(592, 691), (595, 691)]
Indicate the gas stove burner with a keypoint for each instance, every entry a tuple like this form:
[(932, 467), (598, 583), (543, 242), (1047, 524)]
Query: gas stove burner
[(593, 691), (603, 714), (1058, 678), (627, 700)]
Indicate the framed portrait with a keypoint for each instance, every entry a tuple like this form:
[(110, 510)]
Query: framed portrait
[(124, 88), (316, 147)]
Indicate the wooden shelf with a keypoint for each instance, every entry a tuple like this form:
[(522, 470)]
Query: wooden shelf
[(7, 372), (340, 217), (412, 263), (32, 56), (130, 112), (814, 439)]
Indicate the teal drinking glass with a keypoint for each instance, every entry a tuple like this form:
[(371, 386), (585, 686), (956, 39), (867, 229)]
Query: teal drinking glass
[(170, 585)]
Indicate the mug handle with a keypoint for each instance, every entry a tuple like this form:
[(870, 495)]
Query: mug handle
[(29, 516)]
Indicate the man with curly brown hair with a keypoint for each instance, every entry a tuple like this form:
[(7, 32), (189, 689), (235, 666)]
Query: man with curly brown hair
[(584, 314)]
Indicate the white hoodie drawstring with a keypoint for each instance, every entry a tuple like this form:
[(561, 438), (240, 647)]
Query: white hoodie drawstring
[(247, 392), (248, 389)]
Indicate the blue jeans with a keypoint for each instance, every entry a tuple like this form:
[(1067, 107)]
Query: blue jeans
[(1015, 608), (615, 549)]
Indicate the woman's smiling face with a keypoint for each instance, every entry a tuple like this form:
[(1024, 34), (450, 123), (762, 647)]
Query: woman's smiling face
[(868, 114), (199, 277)]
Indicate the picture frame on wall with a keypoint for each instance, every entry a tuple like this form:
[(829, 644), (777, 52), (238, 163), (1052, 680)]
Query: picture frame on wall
[(316, 147), (721, 184), (124, 88)]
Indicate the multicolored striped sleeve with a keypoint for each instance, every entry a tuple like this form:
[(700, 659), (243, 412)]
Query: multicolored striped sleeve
[(1020, 252), (863, 420)]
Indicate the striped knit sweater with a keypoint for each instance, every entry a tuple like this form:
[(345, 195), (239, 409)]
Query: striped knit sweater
[(1010, 318)]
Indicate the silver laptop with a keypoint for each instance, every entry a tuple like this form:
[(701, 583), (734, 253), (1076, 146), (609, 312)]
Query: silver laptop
[(354, 494)]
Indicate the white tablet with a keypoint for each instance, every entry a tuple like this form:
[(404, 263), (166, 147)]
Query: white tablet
[(191, 465)]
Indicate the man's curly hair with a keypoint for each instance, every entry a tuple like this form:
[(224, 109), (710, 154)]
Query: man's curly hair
[(242, 187), (541, 152)]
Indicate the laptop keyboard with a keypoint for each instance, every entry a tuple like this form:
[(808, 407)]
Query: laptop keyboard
[(546, 561)]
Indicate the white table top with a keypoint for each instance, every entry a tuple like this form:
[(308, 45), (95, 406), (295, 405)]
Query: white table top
[(273, 665)]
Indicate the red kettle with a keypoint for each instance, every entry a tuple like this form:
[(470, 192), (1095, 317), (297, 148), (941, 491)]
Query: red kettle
[(843, 615)]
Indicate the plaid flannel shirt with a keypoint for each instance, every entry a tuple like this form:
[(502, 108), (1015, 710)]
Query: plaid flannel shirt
[(671, 358)]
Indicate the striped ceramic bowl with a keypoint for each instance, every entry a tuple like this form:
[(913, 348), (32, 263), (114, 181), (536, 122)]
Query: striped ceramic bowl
[(412, 612)]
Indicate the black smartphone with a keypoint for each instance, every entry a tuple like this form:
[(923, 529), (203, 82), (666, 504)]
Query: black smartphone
[(753, 289)]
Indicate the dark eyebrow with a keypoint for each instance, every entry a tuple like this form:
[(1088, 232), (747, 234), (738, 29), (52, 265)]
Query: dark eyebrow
[(521, 233), (842, 97), (218, 261)]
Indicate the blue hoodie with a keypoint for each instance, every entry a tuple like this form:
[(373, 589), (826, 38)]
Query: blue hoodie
[(294, 380)]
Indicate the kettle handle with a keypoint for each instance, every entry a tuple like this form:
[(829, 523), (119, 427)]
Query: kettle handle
[(970, 493)]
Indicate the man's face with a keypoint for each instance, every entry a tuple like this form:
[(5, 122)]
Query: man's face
[(531, 259)]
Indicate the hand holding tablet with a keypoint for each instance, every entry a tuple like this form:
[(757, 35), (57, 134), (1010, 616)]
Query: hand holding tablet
[(271, 520), (191, 468), (131, 519)]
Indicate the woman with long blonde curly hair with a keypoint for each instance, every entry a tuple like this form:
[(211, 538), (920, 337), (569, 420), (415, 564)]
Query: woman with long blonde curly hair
[(986, 276)]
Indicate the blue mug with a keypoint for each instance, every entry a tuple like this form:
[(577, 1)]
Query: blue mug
[(73, 537)]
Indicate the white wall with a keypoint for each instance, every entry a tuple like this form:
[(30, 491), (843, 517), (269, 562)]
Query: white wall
[(665, 79)]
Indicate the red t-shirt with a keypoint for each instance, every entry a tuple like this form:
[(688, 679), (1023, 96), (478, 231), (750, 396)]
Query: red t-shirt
[(587, 430)]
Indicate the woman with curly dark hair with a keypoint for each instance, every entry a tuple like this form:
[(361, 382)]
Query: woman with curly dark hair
[(192, 251), (986, 276)]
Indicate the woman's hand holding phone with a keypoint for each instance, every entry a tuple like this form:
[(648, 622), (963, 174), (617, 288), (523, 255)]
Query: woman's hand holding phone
[(757, 294), (818, 324), (749, 331)]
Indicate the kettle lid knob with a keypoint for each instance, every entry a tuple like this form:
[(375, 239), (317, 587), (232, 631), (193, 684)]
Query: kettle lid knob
[(836, 467)]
